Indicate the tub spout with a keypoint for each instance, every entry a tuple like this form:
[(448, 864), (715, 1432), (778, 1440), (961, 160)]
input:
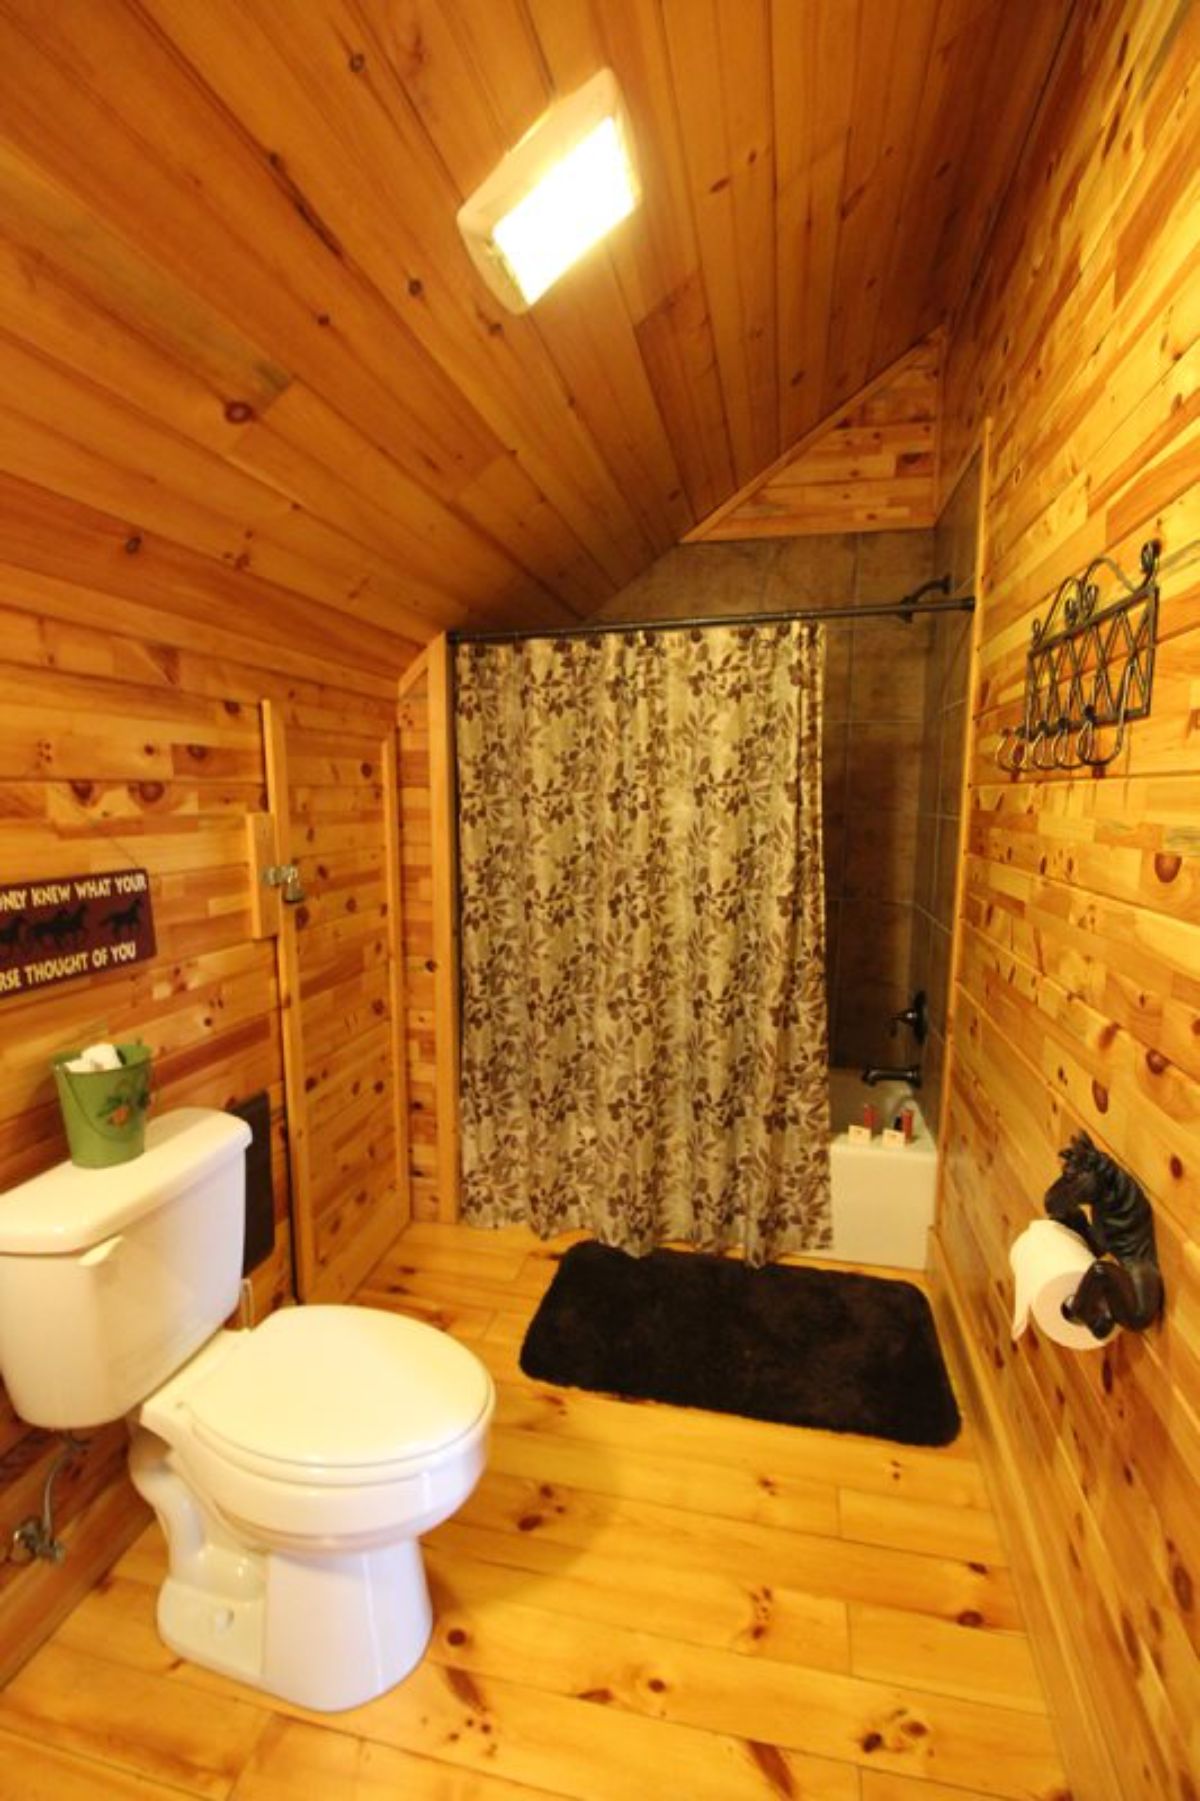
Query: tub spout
[(912, 1075)]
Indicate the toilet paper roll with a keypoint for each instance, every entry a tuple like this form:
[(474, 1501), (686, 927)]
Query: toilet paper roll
[(1048, 1264)]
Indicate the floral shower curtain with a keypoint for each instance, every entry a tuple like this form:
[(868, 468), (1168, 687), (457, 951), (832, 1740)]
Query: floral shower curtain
[(644, 1046)]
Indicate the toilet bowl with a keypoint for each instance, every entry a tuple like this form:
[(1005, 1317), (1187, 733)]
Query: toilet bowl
[(292, 1466)]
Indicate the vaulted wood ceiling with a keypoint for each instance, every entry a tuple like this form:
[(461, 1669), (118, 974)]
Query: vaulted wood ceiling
[(235, 313)]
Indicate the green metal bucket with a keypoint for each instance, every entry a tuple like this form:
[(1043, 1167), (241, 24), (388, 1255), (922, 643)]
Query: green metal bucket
[(104, 1110)]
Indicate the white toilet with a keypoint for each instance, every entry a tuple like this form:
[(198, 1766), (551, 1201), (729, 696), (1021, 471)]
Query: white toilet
[(292, 1467)]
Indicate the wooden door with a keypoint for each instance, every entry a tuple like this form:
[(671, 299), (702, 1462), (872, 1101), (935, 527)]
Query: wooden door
[(334, 799)]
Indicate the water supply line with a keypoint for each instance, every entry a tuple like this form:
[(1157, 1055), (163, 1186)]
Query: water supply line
[(35, 1537)]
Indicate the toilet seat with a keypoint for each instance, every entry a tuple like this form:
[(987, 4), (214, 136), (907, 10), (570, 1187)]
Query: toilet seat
[(339, 1396), (328, 1428)]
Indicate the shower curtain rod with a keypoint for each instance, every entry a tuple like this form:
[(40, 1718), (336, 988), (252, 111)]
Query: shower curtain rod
[(908, 609)]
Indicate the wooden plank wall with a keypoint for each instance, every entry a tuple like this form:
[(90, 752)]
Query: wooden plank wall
[(1077, 991), (870, 467), (130, 734)]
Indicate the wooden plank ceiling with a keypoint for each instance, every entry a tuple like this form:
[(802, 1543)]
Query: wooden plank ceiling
[(237, 322)]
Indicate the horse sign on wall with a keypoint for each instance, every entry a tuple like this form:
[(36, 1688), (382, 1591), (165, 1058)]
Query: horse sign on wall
[(67, 926)]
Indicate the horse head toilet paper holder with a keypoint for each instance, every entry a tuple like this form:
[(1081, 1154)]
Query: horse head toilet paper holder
[(1106, 1207)]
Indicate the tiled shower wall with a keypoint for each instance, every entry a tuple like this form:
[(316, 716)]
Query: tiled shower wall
[(939, 789), (875, 707)]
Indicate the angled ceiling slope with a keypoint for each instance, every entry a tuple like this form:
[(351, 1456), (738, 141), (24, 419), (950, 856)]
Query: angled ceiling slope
[(871, 467), (237, 320)]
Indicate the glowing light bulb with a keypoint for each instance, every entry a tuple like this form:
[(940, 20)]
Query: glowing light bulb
[(567, 183), (581, 198)]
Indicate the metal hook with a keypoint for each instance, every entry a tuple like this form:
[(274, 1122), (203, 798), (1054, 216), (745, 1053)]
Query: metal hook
[(1012, 751), (1037, 745), (1021, 750), (1048, 754), (1095, 762), (1060, 748), (1114, 753), (1085, 738)]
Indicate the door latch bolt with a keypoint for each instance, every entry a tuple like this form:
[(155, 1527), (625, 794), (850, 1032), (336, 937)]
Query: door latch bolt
[(287, 877)]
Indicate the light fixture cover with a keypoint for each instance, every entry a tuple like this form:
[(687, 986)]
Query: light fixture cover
[(556, 193)]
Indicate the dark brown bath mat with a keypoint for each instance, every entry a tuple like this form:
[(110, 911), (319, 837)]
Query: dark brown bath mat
[(804, 1347)]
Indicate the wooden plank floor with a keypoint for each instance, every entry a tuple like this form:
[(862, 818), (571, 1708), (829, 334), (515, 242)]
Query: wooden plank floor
[(637, 1602)]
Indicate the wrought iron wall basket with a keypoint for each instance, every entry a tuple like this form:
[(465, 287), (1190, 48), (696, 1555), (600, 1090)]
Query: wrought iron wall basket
[(1088, 673)]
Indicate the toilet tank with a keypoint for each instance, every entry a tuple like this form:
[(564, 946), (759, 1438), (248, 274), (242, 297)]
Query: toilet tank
[(111, 1278)]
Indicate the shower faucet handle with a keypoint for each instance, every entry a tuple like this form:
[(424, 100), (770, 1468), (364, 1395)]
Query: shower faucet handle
[(915, 1016)]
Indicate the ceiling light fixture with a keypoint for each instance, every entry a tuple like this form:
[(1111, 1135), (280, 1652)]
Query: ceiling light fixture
[(562, 188)]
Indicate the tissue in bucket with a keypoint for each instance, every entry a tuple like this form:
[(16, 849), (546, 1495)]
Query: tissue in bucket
[(95, 1058), (1049, 1262)]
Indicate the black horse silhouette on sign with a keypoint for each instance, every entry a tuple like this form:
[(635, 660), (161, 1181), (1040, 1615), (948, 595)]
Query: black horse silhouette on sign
[(60, 926), (124, 919)]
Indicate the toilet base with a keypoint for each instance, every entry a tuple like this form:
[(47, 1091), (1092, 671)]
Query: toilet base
[(326, 1632), (218, 1627)]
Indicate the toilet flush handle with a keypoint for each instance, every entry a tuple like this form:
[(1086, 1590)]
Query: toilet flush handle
[(101, 1253)]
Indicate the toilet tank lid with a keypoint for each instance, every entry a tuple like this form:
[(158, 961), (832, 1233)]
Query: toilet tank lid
[(68, 1209)]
